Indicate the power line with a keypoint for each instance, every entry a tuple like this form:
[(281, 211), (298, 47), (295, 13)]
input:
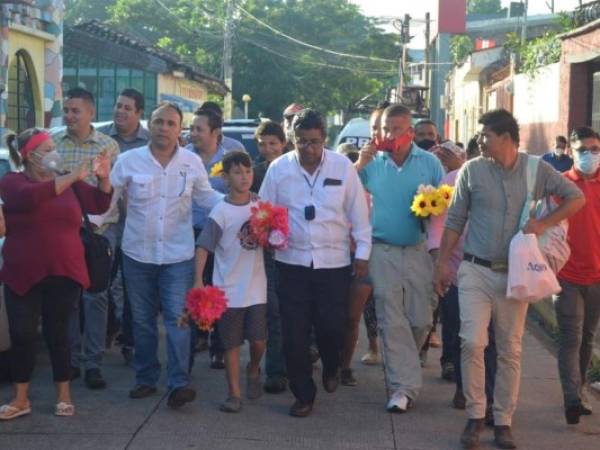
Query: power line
[(314, 47)]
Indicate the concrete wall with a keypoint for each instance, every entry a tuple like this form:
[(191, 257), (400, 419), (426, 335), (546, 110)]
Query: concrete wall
[(536, 105)]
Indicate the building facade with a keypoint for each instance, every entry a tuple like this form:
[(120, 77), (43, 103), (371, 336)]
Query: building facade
[(31, 33)]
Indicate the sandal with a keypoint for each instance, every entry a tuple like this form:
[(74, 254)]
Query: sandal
[(64, 409), (8, 412)]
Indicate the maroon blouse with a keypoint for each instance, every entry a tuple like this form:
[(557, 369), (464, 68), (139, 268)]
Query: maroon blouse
[(42, 230)]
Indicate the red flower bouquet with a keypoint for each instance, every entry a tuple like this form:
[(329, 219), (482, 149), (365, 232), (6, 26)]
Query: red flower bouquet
[(205, 306), (269, 225)]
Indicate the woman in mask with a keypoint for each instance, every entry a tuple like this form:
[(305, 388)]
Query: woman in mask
[(44, 268)]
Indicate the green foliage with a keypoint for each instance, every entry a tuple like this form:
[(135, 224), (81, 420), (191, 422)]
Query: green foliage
[(273, 70), (484, 6), (461, 46)]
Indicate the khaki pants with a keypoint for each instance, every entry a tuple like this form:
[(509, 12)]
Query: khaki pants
[(482, 296), (404, 301)]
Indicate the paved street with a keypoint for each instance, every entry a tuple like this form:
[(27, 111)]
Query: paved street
[(352, 418)]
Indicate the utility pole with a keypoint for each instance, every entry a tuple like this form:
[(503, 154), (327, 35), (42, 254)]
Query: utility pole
[(405, 38), (227, 60), (524, 27), (427, 56)]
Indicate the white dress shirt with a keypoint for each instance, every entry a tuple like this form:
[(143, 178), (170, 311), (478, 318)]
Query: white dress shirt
[(158, 228), (336, 192)]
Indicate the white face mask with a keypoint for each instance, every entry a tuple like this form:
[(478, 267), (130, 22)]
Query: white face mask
[(587, 162), (53, 162), (559, 151)]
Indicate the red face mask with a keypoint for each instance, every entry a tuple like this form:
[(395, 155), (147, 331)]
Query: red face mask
[(392, 145)]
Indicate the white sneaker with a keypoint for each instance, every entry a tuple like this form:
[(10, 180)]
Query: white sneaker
[(371, 358), (398, 403)]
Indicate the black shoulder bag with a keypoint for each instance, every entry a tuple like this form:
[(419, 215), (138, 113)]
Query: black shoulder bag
[(98, 253)]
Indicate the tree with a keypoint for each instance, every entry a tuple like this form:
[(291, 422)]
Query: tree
[(484, 6), (270, 67), (461, 46)]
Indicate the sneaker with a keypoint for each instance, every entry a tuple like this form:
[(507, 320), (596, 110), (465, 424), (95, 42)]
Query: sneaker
[(217, 361), (448, 371), (94, 379), (399, 403), (231, 405), (347, 378), (275, 385), (371, 358)]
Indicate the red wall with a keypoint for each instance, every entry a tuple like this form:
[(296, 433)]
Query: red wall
[(450, 17)]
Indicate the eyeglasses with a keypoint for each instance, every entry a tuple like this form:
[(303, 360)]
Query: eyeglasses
[(311, 143), (309, 212)]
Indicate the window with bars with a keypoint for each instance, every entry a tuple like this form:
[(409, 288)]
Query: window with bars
[(20, 113)]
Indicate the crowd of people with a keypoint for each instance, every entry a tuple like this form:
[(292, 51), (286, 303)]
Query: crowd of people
[(175, 211)]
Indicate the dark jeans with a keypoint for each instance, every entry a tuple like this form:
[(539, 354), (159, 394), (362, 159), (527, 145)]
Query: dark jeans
[(52, 299), (123, 322), (370, 317), (274, 360), (577, 313), (450, 318), (312, 297), (450, 303)]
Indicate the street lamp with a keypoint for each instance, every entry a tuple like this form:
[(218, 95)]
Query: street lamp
[(246, 99)]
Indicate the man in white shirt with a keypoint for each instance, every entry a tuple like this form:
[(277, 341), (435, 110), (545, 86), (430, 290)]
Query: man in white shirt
[(326, 205), (159, 182)]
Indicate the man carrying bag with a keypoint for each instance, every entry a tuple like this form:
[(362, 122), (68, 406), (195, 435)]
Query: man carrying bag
[(490, 192)]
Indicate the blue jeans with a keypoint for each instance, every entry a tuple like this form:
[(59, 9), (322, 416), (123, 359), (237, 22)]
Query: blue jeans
[(150, 288), (274, 360), (87, 348)]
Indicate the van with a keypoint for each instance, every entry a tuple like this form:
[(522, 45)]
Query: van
[(356, 131)]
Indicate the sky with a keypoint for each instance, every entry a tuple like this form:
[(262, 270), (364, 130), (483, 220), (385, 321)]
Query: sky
[(418, 9)]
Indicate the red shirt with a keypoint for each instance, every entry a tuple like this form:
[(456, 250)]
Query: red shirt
[(42, 230), (583, 267)]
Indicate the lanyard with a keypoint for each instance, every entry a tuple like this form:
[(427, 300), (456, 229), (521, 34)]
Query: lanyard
[(311, 185)]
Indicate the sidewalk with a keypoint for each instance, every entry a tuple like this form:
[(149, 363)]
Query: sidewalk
[(351, 418)]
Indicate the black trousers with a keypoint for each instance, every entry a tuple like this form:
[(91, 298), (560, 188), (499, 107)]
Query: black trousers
[(312, 298), (53, 299)]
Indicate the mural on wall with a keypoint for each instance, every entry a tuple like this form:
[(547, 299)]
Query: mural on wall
[(37, 15)]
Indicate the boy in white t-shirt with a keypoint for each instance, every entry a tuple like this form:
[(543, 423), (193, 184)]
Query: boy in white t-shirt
[(239, 271)]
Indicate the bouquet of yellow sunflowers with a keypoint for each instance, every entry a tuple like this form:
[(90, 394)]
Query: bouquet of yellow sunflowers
[(431, 201)]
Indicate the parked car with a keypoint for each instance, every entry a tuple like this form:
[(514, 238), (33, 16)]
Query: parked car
[(356, 132), (243, 130)]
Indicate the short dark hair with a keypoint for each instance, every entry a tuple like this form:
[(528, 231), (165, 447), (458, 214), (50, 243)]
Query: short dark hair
[(473, 147), (211, 106), (236, 158), (135, 95), (581, 133), (501, 121), (171, 105), (309, 119), (215, 121), (81, 93), (562, 139), (396, 110), (425, 122), (270, 128)]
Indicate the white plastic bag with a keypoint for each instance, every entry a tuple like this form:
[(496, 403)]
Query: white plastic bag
[(530, 279)]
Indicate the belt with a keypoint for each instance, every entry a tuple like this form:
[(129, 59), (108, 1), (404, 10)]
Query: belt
[(496, 266)]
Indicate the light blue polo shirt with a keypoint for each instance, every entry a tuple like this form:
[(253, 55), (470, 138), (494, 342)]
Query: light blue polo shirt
[(393, 188)]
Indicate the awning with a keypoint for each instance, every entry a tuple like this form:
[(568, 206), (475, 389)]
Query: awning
[(583, 57)]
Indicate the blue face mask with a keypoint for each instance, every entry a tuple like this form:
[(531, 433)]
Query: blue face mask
[(587, 162)]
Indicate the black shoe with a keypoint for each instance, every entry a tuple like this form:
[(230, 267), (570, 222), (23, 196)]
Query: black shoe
[(216, 361), (489, 416), (470, 435), (459, 401), (331, 382), (180, 396), (347, 378), (94, 379), (75, 373), (275, 385), (503, 437), (448, 371), (314, 354), (142, 391), (127, 353), (572, 414), (300, 409)]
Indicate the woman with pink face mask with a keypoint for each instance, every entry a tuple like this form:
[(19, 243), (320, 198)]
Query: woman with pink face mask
[(44, 268)]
